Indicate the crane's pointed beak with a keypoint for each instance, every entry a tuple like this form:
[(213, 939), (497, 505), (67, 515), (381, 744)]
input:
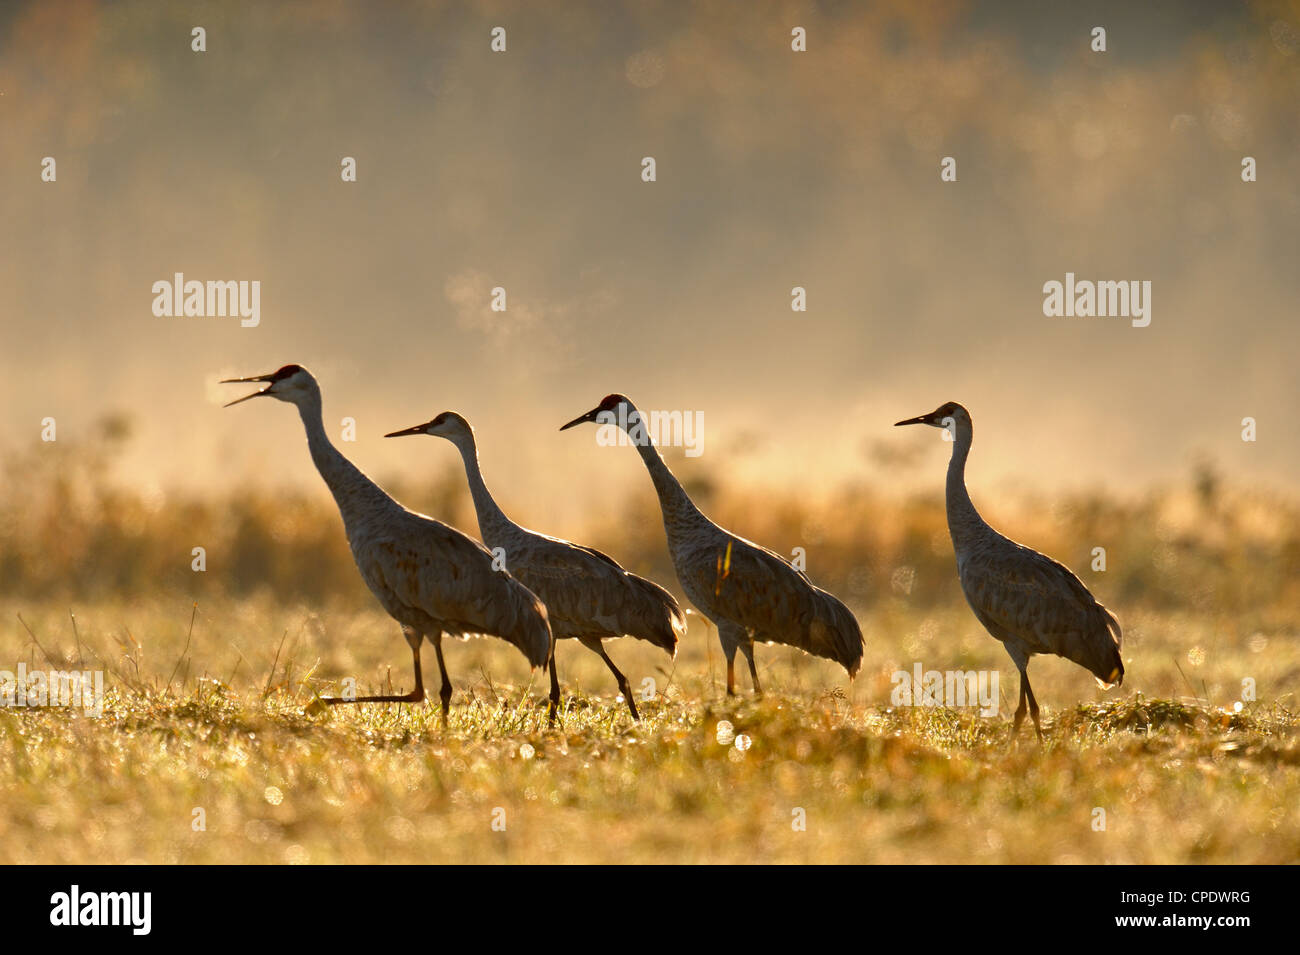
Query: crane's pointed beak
[(923, 419), (256, 394), (417, 429), (581, 419)]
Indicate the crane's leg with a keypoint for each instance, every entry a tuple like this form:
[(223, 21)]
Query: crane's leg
[(1020, 707), (553, 705), (413, 637), (1033, 705), (730, 641), (747, 648), (445, 692), (624, 687)]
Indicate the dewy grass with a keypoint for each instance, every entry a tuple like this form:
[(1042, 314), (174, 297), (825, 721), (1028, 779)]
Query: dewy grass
[(217, 769)]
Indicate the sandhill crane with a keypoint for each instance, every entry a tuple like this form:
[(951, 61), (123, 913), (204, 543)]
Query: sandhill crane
[(747, 591), (588, 596), (431, 578), (1023, 598)]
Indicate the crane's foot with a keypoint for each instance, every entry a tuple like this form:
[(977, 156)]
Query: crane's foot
[(553, 703), (753, 670), (1033, 710), (1024, 702), (553, 706), (626, 690), (624, 687), (1015, 729), (446, 703)]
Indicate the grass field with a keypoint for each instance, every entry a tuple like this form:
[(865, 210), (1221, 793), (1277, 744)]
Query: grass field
[(218, 719), (209, 704)]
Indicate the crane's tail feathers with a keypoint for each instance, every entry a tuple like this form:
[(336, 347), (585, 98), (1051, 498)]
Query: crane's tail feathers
[(1107, 665), (1113, 626), (656, 617), (533, 634), (834, 633), (1118, 674), (665, 631)]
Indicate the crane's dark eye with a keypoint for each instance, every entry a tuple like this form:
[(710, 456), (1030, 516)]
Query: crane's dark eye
[(439, 420)]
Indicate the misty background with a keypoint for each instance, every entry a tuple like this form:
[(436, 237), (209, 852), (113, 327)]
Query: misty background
[(775, 169)]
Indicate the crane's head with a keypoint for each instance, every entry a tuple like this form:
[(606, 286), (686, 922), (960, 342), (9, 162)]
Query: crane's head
[(949, 414), (292, 383), (613, 409), (447, 425)]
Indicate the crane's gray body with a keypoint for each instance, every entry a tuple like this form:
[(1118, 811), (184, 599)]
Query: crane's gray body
[(1030, 602), (750, 593), (753, 594), (588, 595), (1023, 598)]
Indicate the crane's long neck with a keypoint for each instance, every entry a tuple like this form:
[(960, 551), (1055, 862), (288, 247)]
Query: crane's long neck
[(679, 511), (964, 522), (354, 493), (491, 519)]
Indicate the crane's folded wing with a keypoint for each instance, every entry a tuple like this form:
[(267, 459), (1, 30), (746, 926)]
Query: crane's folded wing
[(1022, 595)]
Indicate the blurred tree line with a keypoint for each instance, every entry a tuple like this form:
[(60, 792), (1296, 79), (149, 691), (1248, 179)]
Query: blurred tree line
[(68, 532)]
